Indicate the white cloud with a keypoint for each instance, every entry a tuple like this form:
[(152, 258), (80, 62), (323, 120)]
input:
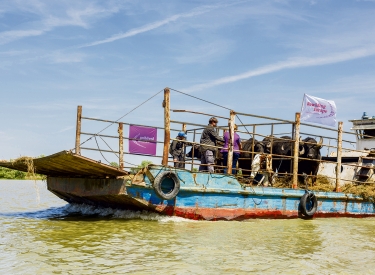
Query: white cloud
[(50, 16), (204, 52), (292, 63), (66, 129), (155, 25), (59, 57), (13, 53), (9, 36)]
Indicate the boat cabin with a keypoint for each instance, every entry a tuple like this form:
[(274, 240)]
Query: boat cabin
[(365, 140), (365, 132)]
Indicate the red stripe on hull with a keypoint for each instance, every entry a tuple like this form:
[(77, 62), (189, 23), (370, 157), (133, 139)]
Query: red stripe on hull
[(215, 214)]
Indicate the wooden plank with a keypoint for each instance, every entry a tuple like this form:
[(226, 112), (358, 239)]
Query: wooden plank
[(66, 163)]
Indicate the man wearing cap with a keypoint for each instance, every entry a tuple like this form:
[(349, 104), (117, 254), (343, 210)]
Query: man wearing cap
[(209, 138), (177, 150)]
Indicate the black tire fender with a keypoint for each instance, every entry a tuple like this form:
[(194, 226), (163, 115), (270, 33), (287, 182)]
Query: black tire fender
[(166, 185), (308, 204)]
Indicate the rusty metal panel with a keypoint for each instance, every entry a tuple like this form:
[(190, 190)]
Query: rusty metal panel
[(67, 164)]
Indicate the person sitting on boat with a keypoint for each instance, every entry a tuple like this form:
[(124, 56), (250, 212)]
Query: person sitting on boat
[(177, 150), (236, 148), (209, 137)]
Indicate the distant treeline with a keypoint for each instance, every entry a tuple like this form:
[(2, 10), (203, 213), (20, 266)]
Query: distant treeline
[(6, 173)]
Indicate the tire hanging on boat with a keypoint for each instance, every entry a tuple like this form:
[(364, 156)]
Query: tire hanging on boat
[(308, 204), (166, 185)]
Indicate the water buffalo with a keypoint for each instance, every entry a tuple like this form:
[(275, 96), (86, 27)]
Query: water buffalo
[(283, 146), (310, 165), (247, 146), (245, 162), (197, 152)]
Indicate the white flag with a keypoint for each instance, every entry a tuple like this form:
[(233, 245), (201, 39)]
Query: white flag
[(318, 110)]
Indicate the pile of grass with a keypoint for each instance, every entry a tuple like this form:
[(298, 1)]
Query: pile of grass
[(30, 174), (366, 191), (283, 182), (29, 162), (323, 184)]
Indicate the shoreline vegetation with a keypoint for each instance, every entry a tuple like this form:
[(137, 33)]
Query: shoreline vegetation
[(10, 174)]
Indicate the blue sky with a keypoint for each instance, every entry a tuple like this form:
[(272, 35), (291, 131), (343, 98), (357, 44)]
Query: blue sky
[(256, 57)]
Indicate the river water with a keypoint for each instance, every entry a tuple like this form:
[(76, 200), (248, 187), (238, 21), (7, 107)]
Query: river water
[(41, 234)]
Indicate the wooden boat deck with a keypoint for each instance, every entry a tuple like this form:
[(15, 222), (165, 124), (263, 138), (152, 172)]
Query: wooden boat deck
[(67, 164)]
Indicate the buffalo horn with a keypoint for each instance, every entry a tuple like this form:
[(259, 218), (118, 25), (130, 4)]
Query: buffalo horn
[(302, 151), (301, 146), (320, 143)]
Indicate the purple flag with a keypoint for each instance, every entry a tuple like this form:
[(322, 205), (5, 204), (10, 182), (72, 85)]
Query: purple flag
[(146, 140)]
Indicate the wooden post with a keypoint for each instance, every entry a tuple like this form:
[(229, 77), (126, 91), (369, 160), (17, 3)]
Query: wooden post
[(339, 151), (271, 145), (192, 151), (231, 138), (296, 151), (252, 147), (167, 126), (293, 137), (121, 145), (184, 130), (78, 130)]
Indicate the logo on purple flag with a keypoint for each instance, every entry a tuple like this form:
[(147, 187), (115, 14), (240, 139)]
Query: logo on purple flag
[(145, 140)]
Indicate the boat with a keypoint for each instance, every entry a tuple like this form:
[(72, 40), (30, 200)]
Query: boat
[(196, 195)]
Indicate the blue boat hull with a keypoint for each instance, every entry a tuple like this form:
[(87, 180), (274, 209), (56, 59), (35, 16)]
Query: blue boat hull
[(204, 196)]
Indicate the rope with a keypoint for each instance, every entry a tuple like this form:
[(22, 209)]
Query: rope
[(210, 102), (160, 170), (257, 194), (109, 147), (116, 154), (100, 150), (175, 170), (244, 126), (200, 99)]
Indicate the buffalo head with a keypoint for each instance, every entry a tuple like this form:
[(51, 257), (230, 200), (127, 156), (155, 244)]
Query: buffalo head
[(247, 147), (312, 147)]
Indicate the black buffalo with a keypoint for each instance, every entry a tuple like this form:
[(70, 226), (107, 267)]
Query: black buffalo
[(282, 146), (245, 161), (310, 165), (248, 145), (197, 152), (278, 146)]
